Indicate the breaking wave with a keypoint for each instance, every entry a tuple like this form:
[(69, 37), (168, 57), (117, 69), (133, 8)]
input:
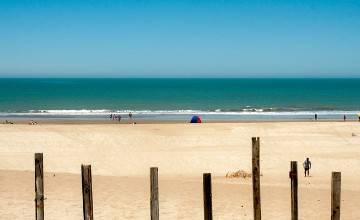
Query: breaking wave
[(245, 111)]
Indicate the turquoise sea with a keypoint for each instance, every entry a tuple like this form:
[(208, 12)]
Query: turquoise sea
[(178, 98)]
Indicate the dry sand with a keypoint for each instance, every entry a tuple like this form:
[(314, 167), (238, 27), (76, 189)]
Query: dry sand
[(121, 155)]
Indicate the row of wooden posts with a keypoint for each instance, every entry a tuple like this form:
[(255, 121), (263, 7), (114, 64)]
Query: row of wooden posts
[(207, 192)]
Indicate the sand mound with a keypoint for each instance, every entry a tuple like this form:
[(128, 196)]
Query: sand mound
[(238, 174)]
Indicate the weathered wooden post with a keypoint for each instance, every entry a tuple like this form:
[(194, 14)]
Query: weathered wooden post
[(335, 195), (154, 194), (256, 177), (39, 187), (87, 192), (294, 190), (207, 196)]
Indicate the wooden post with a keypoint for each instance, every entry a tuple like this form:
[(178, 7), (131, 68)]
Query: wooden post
[(39, 187), (154, 194), (87, 192), (335, 195), (256, 177), (294, 190), (207, 196)]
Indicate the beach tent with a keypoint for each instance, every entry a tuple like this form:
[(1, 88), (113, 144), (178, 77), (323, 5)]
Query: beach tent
[(195, 119)]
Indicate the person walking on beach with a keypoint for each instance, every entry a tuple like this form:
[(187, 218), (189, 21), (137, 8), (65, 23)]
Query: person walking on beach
[(344, 117), (119, 118), (307, 166), (315, 117), (130, 115)]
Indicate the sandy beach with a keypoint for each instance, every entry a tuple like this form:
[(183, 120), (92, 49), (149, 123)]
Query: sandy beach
[(121, 155)]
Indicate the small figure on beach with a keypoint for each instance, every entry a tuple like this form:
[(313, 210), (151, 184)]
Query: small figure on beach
[(130, 115), (344, 117), (307, 166), (119, 118), (316, 117), (111, 116), (32, 122)]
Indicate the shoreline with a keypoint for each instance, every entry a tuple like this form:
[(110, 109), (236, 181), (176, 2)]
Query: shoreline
[(127, 122), (165, 118)]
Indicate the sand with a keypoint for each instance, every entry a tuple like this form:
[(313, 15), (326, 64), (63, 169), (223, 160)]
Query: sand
[(121, 156)]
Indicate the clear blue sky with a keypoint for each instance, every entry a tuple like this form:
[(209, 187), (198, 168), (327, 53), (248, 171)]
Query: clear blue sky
[(179, 37)]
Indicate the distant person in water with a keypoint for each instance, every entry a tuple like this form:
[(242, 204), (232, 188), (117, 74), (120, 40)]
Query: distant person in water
[(344, 117), (130, 115), (119, 118), (307, 166), (316, 117), (111, 116)]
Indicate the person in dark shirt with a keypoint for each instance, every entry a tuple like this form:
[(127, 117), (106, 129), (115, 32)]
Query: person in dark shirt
[(307, 166)]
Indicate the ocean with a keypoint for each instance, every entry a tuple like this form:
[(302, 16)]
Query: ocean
[(179, 98)]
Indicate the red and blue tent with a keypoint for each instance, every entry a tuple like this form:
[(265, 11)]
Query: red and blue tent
[(195, 119)]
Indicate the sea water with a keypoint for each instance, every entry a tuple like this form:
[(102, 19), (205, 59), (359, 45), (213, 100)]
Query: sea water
[(179, 98)]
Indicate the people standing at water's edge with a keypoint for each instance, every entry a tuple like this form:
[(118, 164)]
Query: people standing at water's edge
[(32, 122), (131, 118), (316, 117), (307, 166), (344, 117)]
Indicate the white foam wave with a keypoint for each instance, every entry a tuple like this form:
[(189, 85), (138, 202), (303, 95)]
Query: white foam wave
[(104, 112)]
